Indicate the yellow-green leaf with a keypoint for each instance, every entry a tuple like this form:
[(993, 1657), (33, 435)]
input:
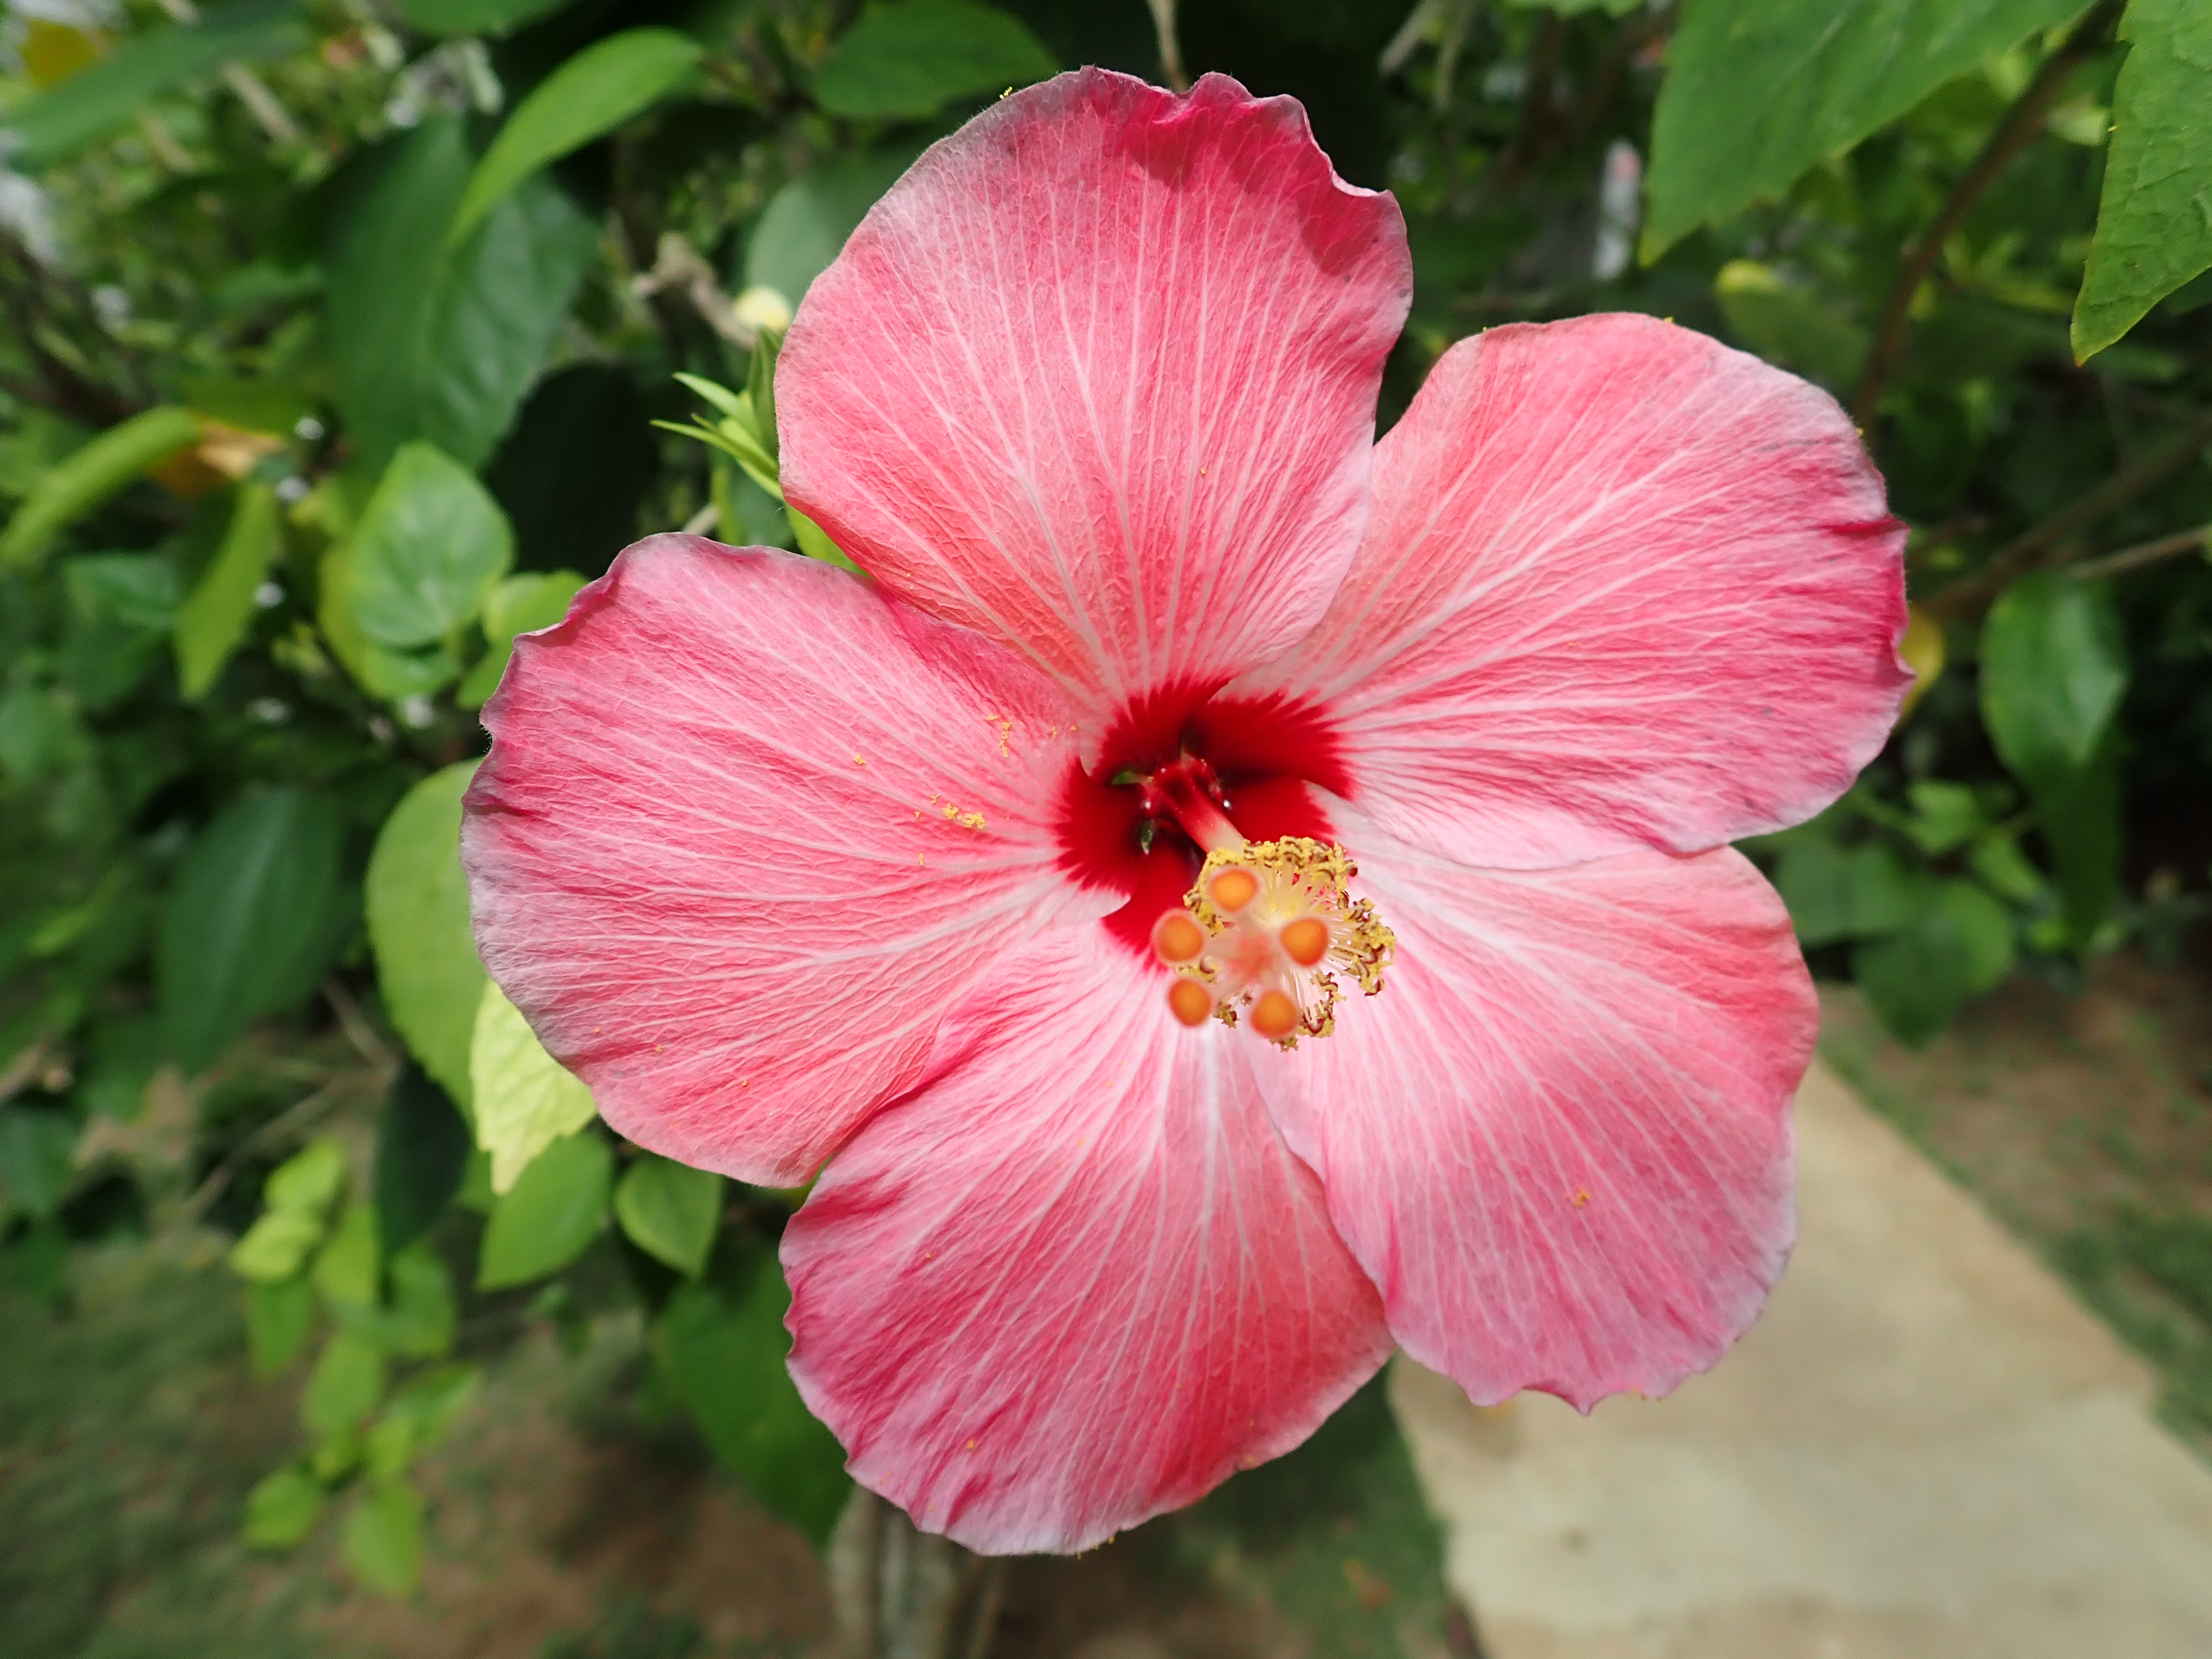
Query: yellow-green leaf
[(525, 1100), (417, 900), (90, 476), (215, 618)]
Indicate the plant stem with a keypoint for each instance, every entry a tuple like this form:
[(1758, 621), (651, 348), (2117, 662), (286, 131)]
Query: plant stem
[(2013, 134), (2142, 553), (2025, 551), (899, 1593), (1164, 25)]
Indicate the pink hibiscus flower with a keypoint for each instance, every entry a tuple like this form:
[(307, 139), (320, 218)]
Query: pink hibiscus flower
[(1475, 1038)]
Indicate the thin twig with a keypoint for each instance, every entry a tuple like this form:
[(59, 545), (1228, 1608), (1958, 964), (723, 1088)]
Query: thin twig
[(1164, 25), (2027, 550), (359, 1032), (2012, 135), (1533, 135), (1410, 34), (293, 1117), (988, 1595), (2142, 553)]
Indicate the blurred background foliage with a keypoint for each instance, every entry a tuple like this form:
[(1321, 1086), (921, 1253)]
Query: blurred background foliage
[(345, 339)]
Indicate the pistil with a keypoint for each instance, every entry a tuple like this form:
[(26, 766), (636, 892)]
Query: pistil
[(1188, 791)]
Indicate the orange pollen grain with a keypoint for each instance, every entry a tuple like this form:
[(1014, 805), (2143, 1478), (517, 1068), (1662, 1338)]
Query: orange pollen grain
[(1305, 941), (1177, 938), (1234, 888), (1190, 1001), (1274, 1015)]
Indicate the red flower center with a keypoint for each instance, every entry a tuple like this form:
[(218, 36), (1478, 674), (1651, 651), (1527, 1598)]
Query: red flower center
[(1176, 767)]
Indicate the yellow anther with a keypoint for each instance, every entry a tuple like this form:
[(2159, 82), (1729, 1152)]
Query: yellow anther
[(1233, 888)]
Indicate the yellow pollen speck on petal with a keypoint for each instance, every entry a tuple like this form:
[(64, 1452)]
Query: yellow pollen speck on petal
[(1190, 1001), (971, 1445), (1234, 888), (858, 759), (1581, 1197), (1305, 940), (1274, 1015)]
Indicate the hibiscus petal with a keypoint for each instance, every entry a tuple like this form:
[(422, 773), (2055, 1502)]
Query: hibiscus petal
[(1558, 1138), (1098, 377), (1075, 1278), (747, 828), (1622, 586)]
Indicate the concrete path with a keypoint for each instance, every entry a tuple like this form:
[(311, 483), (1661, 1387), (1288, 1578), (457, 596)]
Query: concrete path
[(1925, 1448)]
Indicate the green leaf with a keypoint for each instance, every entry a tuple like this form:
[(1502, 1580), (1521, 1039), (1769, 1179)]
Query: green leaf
[(1999, 865), (345, 1385), (384, 1538), (122, 608), (283, 1508), (422, 1144), (307, 1181), (256, 913), (430, 544), (525, 1100), (1956, 946), (520, 605), (137, 591), (474, 16), (2054, 667), (915, 57), (249, 402), (613, 81), (1793, 327), (725, 1362), (347, 1268), (1945, 816), (275, 1247), (1758, 91), (97, 100), (420, 1322), (215, 619), (552, 1215), (35, 1148), (280, 1316), (385, 673), (418, 901), (441, 343), (2154, 221), (1841, 893), (75, 486), (420, 1413), (806, 224), (815, 543), (2079, 815), (670, 1211)]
